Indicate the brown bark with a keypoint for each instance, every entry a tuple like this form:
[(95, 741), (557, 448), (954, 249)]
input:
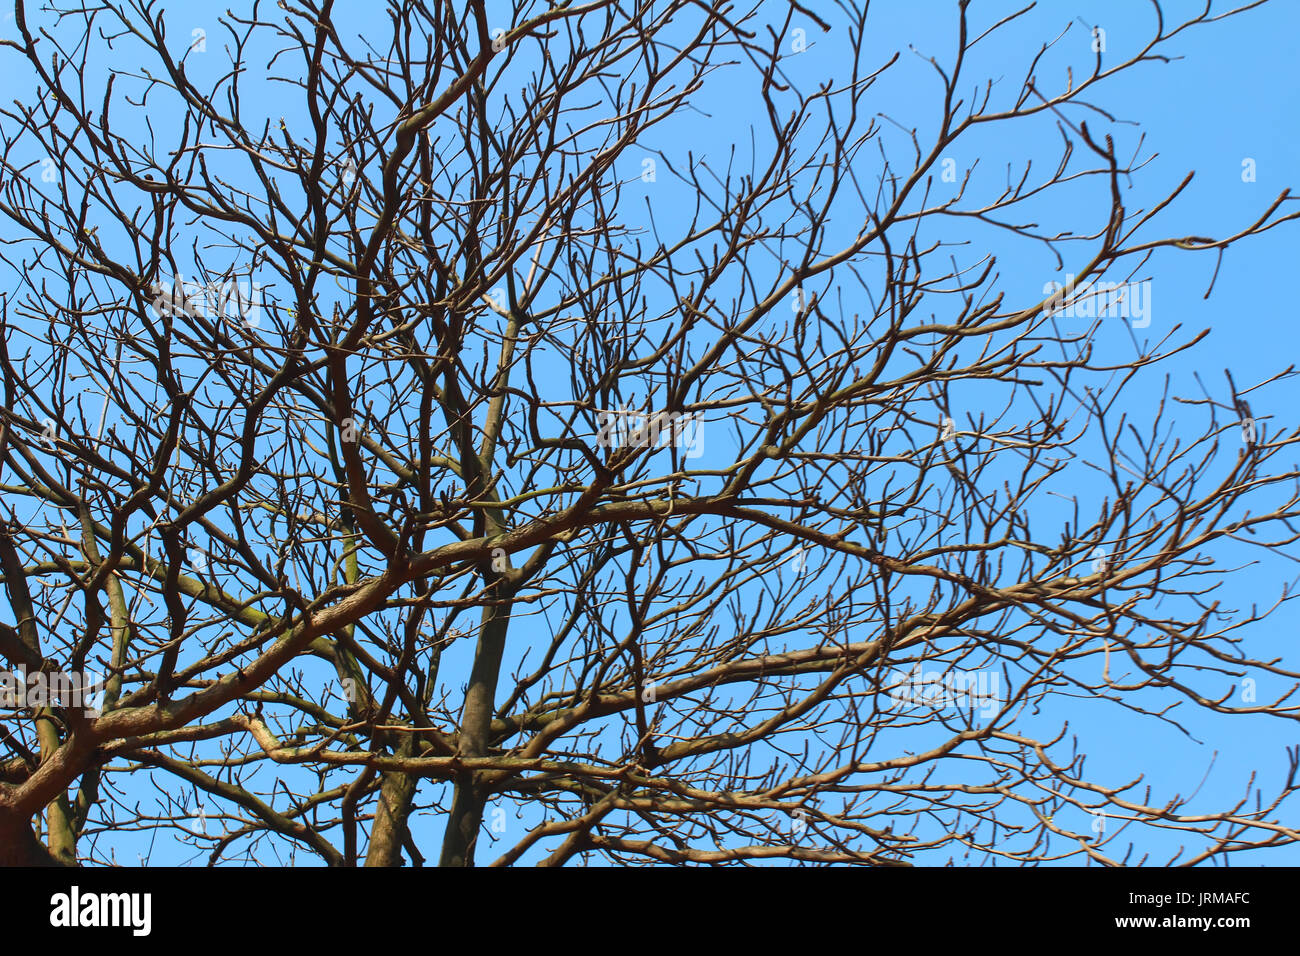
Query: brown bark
[(19, 846), (389, 834), (468, 801)]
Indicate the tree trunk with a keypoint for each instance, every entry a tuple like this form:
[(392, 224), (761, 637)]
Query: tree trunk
[(466, 816), (19, 846), (396, 791)]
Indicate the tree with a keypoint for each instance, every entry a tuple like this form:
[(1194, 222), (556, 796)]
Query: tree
[(438, 458)]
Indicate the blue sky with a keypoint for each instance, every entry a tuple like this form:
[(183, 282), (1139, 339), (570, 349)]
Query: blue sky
[(1227, 105), (1232, 98)]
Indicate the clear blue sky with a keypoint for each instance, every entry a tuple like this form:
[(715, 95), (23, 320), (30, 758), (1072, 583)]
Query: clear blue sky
[(1232, 97)]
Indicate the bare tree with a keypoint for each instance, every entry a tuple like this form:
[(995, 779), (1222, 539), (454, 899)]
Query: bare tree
[(440, 461)]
